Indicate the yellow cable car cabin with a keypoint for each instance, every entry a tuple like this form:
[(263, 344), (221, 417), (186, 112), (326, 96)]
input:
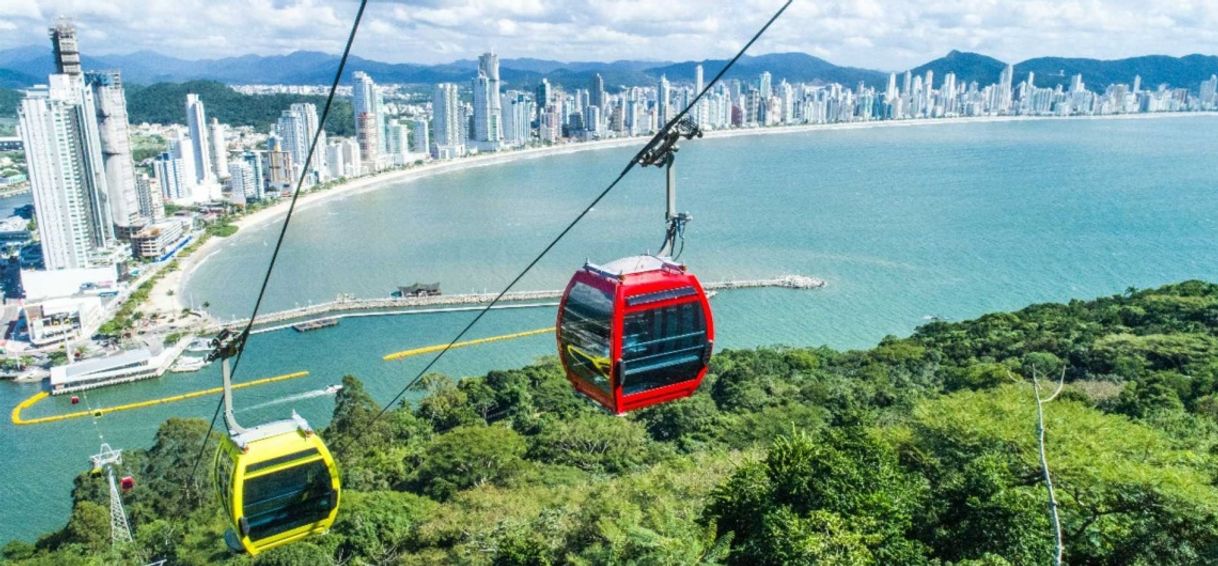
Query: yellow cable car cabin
[(278, 483)]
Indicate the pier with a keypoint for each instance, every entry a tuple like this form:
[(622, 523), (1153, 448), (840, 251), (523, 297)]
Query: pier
[(346, 306)]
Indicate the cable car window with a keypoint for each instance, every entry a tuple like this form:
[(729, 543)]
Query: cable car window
[(662, 346), (287, 499), (586, 322), (281, 460), (224, 477)]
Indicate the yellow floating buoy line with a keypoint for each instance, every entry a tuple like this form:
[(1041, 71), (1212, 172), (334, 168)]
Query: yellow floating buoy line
[(438, 347), (33, 400), (38, 397)]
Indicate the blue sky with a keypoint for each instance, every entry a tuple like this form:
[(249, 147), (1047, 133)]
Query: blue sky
[(881, 34)]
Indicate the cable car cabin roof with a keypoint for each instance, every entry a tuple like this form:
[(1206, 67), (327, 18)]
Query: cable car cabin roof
[(635, 266), (271, 430)]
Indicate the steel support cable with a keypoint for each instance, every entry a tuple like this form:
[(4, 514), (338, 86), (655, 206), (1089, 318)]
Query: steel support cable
[(629, 166), (283, 230)]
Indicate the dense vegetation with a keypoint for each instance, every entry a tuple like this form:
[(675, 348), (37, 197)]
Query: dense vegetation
[(164, 103), (10, 100), (921, 450)]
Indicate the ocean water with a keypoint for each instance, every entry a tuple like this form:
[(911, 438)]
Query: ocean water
[(950, 220)]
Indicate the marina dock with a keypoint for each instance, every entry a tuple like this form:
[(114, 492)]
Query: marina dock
[(346, 306)]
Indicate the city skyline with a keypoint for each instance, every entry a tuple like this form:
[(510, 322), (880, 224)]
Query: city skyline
[(848, 32)]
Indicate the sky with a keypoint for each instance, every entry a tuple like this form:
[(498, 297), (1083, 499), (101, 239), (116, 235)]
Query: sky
[(877, 34)]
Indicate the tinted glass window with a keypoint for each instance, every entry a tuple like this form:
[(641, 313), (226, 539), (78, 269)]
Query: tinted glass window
[(224, 481), (662, 346), (287, 499), (586, 324)]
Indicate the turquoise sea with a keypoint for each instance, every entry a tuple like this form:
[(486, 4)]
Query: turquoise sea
[(950, 220)]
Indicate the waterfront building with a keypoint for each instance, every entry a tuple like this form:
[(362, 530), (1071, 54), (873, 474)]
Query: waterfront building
[(258, 166), (663, 102), (446, 118), (296, 128), (59, 131), (279, 167), (219, 149), (488, 113), (167, 168), (1209, 94), (160, 240), (242, 183), (399, 142), (111, 105), (196, 122), (420, 142), (151, 201), (124, 367), (369, 117), (517, 117), (56, 321)]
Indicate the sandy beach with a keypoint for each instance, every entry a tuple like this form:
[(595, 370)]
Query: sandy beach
[(161, 300)]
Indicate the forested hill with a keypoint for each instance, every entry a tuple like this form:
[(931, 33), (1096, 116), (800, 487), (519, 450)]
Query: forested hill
[(165, 103), (921, 450)]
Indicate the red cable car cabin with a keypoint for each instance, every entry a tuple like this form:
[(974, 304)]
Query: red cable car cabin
[(127, 483), (635, 333)]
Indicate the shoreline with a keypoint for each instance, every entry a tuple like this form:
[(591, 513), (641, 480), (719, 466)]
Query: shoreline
[(161, 300)]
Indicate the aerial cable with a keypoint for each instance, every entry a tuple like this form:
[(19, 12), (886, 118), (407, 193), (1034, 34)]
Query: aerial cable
[(249, 326), (656, 142)]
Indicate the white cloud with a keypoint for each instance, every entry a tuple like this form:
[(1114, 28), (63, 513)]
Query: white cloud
[(887, 34)]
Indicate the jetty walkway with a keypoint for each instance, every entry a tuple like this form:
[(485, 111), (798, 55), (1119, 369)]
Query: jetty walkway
[(349, 307)]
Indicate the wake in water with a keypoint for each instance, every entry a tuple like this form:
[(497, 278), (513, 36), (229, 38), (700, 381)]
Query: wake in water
[(323, 392)]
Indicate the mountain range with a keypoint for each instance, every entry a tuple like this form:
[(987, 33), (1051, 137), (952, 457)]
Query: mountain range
[(25, 66)]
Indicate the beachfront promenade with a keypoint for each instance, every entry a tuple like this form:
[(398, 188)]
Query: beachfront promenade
[(347, 307)]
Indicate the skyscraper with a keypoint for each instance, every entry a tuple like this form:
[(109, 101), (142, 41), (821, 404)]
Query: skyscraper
[(766, 85), (63, 152), (241, 182), (219, 149), (597, 91), (296, 128), (663, 102), (196, 121), (446, 121), (488, 113), (106, 89), (167, 168), (366, 103), (420, 142), (1005, 94)]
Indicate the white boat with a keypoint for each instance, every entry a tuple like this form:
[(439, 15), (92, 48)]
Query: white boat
[(331, 389), (200, 345), (186, 364)]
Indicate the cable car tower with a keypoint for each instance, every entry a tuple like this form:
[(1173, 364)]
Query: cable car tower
[(106, 459)]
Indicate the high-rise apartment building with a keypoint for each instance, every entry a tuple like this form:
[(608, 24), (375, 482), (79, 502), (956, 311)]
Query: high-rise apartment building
[(110, 103), (488, 112), (369, 118), (196, 122), (447, 122), (58, 127), (219, 148), (296, 128)]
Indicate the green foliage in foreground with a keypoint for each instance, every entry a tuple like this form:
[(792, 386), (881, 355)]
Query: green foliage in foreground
[(921, 450)]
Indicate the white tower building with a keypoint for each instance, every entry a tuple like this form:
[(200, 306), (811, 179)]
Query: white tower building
[(63, 152), (196, 121)]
